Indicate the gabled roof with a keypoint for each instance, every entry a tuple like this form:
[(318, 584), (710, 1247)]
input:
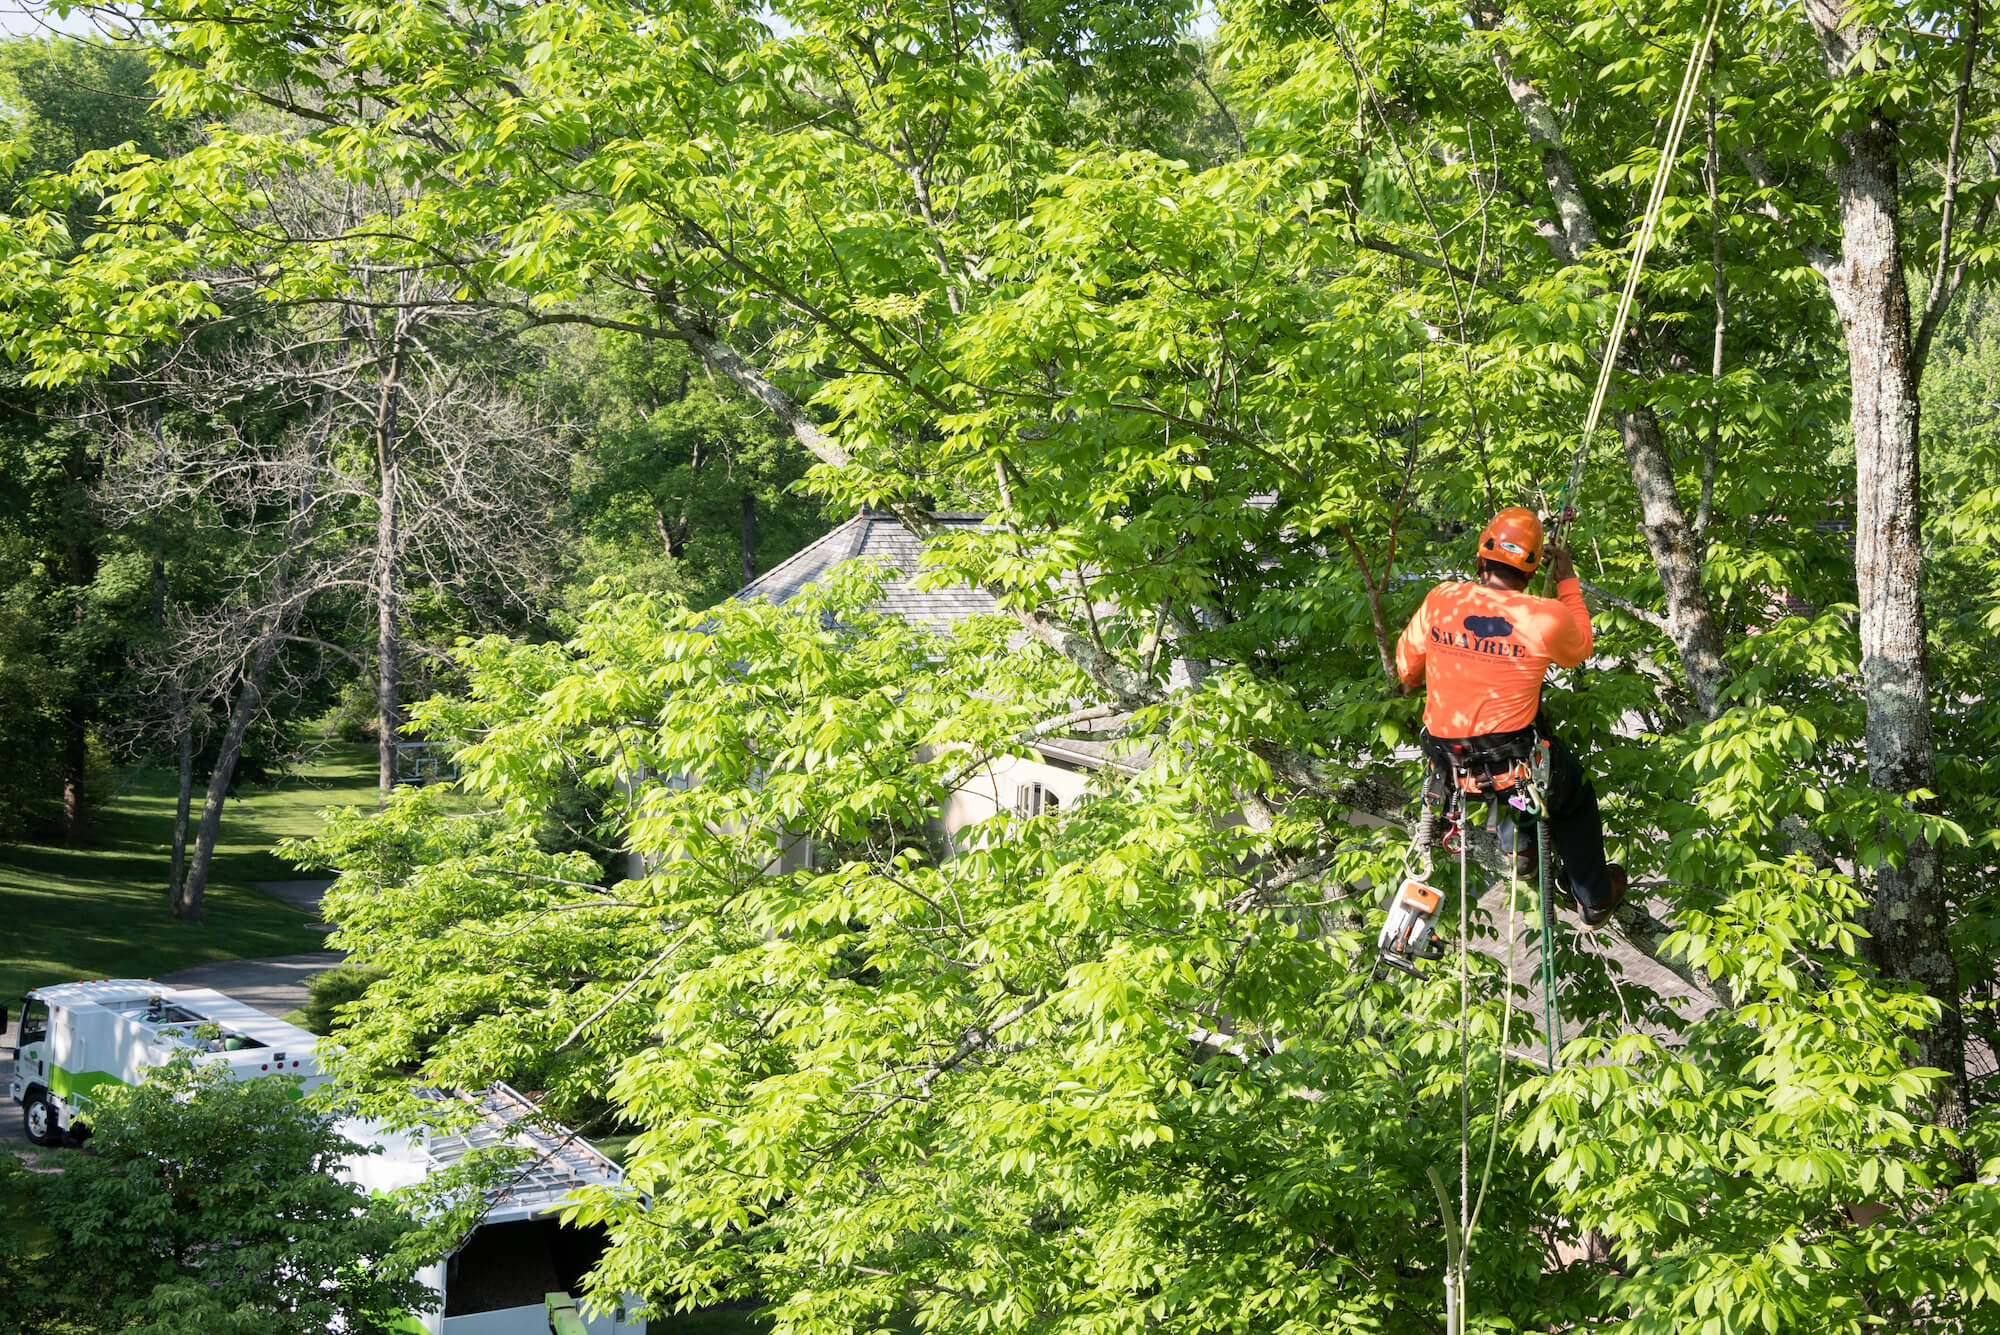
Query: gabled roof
[(562, 1162), (878, 536)]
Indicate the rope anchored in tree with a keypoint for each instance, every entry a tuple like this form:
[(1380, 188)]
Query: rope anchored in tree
[(1648, 226)]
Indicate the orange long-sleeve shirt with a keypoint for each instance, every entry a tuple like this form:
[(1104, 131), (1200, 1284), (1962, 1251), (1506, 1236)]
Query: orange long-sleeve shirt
[(1483, 653)]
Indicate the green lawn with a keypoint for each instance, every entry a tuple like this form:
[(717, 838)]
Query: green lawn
[(101, 911), (711, 1321)]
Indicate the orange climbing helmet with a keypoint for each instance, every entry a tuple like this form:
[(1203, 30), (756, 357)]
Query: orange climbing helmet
[(1513, 537)]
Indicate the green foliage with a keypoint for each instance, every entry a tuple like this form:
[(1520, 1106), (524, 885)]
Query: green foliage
[(1086, 1071), (668, 463), (1733, 1166), (25, 1263), (328, 992), (61, 98), (211, 1205), (75, 596), (1962, 594), (1232, 392)]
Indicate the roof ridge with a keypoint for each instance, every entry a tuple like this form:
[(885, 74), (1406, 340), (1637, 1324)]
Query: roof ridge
[(853, 532), (796, 558)]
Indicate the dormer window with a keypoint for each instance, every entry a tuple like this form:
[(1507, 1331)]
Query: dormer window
[(1034, 799)]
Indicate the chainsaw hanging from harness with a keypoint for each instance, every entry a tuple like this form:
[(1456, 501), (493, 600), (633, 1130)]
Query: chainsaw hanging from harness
[(1514, 769)]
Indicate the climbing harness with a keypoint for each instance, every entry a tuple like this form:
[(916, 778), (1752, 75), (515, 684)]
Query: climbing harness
[(1517, 771)]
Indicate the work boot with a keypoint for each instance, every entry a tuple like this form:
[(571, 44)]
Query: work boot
[(1599, 914)]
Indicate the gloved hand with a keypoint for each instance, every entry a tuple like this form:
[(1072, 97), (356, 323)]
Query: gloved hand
[(1559, 565)]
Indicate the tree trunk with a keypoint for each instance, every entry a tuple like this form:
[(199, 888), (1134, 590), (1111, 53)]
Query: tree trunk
[(76, 759), (388, 541), (249, 699), (183, 734), (276, 620), (77, 713), (749, 536), (1907, 914), (177, 860), (1663, 517)]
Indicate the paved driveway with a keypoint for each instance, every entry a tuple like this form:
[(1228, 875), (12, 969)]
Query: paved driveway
[(276, 986)]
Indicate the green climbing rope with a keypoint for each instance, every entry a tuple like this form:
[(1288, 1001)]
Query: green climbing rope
[(1551, 1015)]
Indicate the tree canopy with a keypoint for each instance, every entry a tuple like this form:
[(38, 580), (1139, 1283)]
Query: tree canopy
[(208, 1205), (1232, 325)]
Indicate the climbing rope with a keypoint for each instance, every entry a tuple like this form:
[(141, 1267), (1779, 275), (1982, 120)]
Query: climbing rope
[(1465, 1065), (1471, 1202), (1458, 1243), (1551, 1015), (1648, 225), (1499, 1074)]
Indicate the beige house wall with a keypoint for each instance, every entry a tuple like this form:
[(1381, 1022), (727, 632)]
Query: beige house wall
[(996, 788)]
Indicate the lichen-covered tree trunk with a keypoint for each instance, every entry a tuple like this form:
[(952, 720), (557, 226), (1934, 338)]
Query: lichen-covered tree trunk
[(183, 800), (1662, 514), (1663, 520), (1907, 916)]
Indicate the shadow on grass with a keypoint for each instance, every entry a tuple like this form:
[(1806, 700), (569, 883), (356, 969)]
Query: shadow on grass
[(100, 911)]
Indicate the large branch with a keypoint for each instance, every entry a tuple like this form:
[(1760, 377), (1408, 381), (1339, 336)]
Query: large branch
[(1579, 228), (1370, 792), (1375, 792), (699, 336), (1943, 283)]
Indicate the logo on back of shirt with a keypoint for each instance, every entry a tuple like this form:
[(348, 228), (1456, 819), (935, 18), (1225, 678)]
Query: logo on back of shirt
[(1482, 635)]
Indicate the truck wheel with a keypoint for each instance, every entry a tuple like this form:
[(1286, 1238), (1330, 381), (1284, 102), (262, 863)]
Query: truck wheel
[(38, 1117)]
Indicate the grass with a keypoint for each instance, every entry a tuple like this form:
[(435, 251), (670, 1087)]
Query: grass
[(100, 911), (733, 1320)]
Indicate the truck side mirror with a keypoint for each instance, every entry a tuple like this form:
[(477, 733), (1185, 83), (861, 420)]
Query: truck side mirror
[(3, 1019)]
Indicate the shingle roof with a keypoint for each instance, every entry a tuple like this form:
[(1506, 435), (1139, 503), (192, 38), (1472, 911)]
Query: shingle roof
[(877, 536)]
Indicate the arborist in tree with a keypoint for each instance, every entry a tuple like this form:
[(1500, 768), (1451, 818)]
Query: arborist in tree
[(1483, 649)]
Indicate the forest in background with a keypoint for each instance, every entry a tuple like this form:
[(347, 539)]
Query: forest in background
[(212, 555), (1236, 323)]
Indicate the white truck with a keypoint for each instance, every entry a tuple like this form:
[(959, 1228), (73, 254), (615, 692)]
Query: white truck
[(509, 1274), (78, 1037)]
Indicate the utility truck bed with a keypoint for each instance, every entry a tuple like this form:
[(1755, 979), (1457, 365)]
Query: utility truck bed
[(77, 1038), (499, 1280)]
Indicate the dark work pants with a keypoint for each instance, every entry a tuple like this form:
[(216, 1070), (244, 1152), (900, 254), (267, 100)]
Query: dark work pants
[(1573, 822)]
